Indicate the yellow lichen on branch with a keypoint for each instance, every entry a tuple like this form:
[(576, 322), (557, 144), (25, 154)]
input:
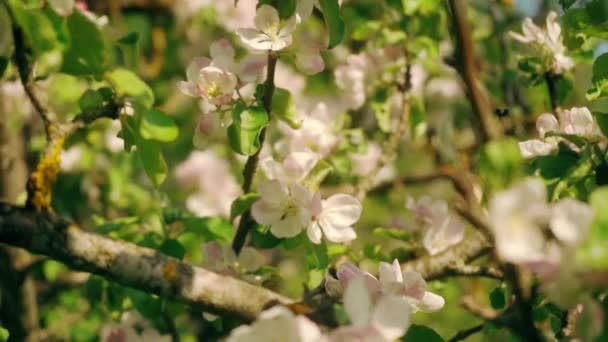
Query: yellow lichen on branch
[(40, 184)]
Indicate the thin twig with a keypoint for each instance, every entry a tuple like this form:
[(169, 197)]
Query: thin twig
[(247, 221), (551, 81), (486, 313), (24, 70), (464, 270), (487, 127), (463, 334)]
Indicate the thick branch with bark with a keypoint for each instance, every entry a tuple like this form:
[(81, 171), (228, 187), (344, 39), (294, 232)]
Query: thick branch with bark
[(443, 264), (130, 265)]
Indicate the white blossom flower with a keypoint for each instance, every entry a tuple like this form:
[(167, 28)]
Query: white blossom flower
[(384, 319), (409, 285), (521, 220), (548, 42), (269, 33), (333, 218), (309, 61), (315, 133), (285, 208), (350, 77), (362, 164), (294, 167), (578, 121), (277, 324), (575, 121), (441, 229)]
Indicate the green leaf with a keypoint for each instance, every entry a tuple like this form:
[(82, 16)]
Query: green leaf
[(153, 161), (244, 132), (393, 233), (421, 333), (128, 85), (6, 35), (156, 125), (333, 21), (498, 299), (566, 3), (317, 256), (315, 278), (381, 106), (597, 11), (129, 46), (286, 8), (318, 173), (52, 270), (85, 52), (4, 334), (283, 107), (594, 252), (212, 228), (500, 162), (264, 239), (173, 248), (91, 99), (242, 204), (599, 79), (40, 35)]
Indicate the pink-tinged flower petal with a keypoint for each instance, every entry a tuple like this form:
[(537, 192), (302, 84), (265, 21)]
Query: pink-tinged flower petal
[(546, 123), (222, 53), (193, 72), (188, 88), (339, 234), (442, 235), (415, 286), (390, 272), (430, 302), (358, 302), (255, 39), (316, 204), (570, 220), (578, 121), (310, 63), (267, 19), (347, 272), (272, 169), (391, 316), (299, 164), (288, 28), (302, 197), (340, 210), (314, 233), (251, 67), (534, 148), (307, 330)]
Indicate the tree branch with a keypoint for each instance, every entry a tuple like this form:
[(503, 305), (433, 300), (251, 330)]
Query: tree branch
[(252, 162), (466, 62), (131, 265), (442, 265), (464, 334)]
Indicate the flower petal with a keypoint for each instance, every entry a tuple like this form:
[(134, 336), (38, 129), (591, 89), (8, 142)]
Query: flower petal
[(358, 302), (266, 213), (571, 220), (430, 302), (290, 225), (310, 63), (188, 88), (534, 148), (251, 67), (255, 39), (390, 272), (391, 316), (339, 234), (267, 19), (222, 53), (193, 72), (299, 164), (546, 123), (314, 233), (340, 210)]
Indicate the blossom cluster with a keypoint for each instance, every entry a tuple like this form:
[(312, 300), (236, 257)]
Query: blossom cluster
[(441, 229), (547, 43), (378, 309), (536, 234), (575, 121), (288, 205)]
